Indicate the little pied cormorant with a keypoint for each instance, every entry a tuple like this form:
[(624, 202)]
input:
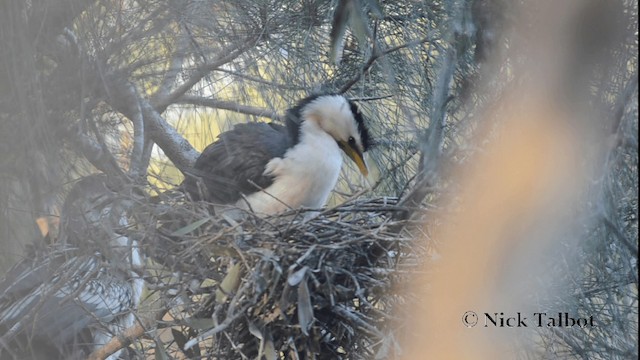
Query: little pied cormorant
[(65, 300), (269, 168)]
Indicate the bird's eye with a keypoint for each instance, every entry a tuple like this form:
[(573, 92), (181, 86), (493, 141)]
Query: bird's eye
[(352, 141)]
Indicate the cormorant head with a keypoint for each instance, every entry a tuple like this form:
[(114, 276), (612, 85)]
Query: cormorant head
[(340, 118)]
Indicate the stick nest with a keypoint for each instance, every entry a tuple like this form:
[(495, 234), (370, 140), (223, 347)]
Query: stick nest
[(295, 286)]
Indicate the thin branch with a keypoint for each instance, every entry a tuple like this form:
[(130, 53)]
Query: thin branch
[(262, 81), (96, 152), (182, 43), (136, 161), (431, 146), (231, 54), (622, 102), (221, 327), (146, 153), (375, 55), (371, 98), (229, 105), (119, 342), (127, 337)]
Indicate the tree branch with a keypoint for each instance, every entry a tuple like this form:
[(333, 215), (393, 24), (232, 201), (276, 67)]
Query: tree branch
[(431, 144), (182, 43), (261, 81), (127, 337), (162, 103), (136, 161), (229, 105), (176, 147), (375, 55), (96, 153), (124, 97), (119, 342), (622, 102)]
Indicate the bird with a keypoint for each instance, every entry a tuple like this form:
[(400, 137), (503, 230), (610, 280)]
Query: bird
[(65, 300), (268, 168)]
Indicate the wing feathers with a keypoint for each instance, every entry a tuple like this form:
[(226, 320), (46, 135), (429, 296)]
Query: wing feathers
[(229, 166)]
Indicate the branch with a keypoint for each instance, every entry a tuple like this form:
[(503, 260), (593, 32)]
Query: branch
[(146, 153), (375, 55), (229, 105), (48, 21), (124, 97), (136, 162), (262, 81), (182, 42), (161, 104), (623, 101), (127, 337), (120, 341), (95, 152), (431, 147), (176, 147)]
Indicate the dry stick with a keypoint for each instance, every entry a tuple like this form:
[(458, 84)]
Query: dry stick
[(126, 338)]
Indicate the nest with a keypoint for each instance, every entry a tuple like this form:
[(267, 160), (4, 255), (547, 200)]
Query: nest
[(295, 286)]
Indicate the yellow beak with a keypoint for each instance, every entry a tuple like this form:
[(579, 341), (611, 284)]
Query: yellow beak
[(355, 155)]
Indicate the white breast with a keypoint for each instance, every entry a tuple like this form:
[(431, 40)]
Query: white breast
[(304, 177)]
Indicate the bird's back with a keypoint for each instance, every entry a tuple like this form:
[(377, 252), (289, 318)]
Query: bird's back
[(234, 165)]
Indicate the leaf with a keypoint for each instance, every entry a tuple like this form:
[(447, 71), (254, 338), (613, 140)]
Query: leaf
[(295, 278), (255, 331), (305, 309), (189, 228), (229, 284), (338, 28), (359, 25), (200, 323), (161, 353), (270, 350), (181, 339)]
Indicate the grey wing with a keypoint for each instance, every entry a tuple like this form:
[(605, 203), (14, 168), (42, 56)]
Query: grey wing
[(59, 307), (232, 165)]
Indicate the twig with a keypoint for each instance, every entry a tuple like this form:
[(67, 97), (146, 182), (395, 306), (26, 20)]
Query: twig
[(375, 55), (136, 161), (175, 66), (225, 324), (228, 105), (126, 338), (230, 54), (261, 81)]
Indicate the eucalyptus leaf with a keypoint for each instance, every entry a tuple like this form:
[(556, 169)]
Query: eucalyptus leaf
[(191, 227), (270, 350), (305, 308), (230, 283), (295, 278), (160, 352), (200, 323), (341, 17)]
